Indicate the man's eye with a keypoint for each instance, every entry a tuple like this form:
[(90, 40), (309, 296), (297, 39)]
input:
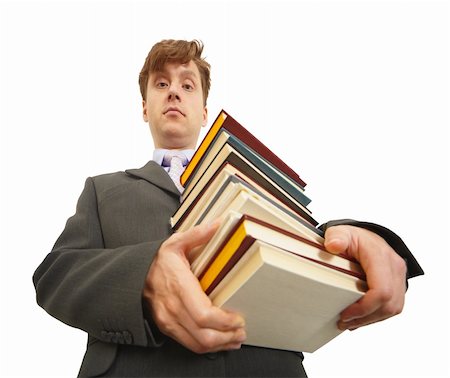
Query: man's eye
[(161, 84), (189, 87)]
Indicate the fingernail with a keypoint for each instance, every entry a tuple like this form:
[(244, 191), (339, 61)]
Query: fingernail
[(240, 323), (214, 223), (336, 242), (345, 324), (349, 319), (241, 336)]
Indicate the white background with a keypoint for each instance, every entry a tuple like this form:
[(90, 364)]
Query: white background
[(354, 95)]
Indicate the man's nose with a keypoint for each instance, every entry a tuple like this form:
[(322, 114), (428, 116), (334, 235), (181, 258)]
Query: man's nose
[(173, 93)]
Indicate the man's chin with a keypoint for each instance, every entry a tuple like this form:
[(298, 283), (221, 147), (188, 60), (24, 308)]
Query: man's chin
[(177, 135), (176, 140)]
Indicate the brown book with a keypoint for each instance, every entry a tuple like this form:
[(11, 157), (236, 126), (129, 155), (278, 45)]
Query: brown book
[(225, 121)]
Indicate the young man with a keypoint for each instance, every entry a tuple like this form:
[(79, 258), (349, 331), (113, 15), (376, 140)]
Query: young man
[(119, 274)]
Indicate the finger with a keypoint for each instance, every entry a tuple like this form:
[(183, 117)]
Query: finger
[(182, 336), (211, 340), (380, 280), (387, 308), (204, 313), (216, 318), (207, 339), (373, 253), (232, 346), (174, 321), (196, 236), (366, 307), (337, 239), (361, 322)]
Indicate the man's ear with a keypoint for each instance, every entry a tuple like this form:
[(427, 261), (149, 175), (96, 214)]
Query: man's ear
[(144, 111), (205, 117)]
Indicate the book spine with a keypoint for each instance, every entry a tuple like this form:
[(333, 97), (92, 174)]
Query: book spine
[(243, 134), (240, 251), (269, 171), (242, 166), (203, 147)]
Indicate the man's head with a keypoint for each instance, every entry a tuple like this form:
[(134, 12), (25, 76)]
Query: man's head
[(175, 51), (174, 84)]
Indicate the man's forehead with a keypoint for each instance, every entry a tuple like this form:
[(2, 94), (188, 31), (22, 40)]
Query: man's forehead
[(185, 69)]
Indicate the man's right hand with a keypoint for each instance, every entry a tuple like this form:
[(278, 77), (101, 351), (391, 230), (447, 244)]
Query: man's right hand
[(179, 307)]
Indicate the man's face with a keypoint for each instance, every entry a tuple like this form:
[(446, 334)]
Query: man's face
[(174, 107)]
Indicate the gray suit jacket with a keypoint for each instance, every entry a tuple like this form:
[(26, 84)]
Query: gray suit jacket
[(94, 277)]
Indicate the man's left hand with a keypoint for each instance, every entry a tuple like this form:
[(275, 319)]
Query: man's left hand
[(385, 273)]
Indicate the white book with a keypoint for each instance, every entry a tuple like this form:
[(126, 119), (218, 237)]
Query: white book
[(200, 256), (288, 302)]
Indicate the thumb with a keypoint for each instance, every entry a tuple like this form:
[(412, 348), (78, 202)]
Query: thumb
[(197, 235), (337, 239)]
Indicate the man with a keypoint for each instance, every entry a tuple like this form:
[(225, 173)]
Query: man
[(118, 273)]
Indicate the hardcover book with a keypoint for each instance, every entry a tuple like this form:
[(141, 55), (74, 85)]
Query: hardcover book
[(289, 302)]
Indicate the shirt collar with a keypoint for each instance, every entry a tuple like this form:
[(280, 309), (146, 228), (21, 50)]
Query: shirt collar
[(158, 154)]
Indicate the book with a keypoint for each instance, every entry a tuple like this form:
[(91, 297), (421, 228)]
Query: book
[(225, 121), (200, 256), (226, 144), (245, 231), (214, 177), (289, 302), (234, 194)]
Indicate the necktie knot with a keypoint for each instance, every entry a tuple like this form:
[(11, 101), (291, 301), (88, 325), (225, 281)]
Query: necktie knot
[(172, 157), (176, 161)]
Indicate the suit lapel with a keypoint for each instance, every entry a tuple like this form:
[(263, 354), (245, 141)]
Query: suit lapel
[(156, 175)]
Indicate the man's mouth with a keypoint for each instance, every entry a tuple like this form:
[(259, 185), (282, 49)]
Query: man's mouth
[(173, 110)]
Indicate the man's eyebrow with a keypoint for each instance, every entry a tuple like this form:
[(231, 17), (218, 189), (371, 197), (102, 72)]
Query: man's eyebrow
[(157, 74), (189, 73), (183, 74)]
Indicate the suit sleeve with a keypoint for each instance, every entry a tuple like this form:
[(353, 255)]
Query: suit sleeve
[(397, 244), (92, 288)]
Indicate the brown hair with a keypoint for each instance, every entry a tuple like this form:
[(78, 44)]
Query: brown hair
[(175, 51)]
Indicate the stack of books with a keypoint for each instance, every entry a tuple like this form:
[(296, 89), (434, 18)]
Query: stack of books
[(267, 260)]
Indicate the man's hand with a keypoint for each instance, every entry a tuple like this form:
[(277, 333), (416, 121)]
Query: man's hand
[(385, 272), (179, 306)]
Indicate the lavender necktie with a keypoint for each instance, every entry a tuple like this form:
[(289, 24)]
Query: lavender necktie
[(176, 161)]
